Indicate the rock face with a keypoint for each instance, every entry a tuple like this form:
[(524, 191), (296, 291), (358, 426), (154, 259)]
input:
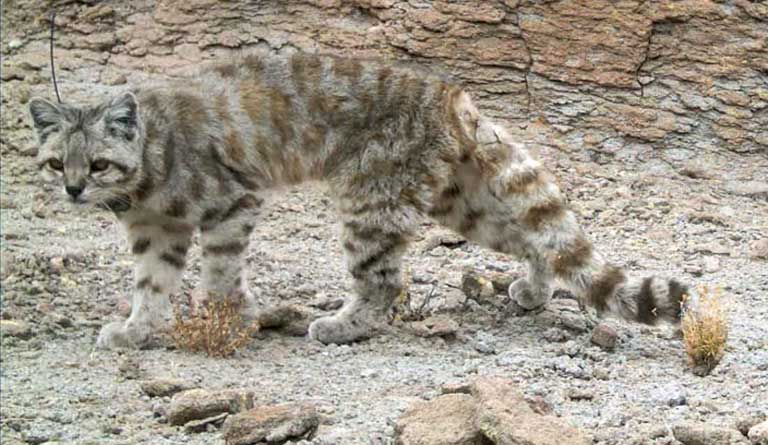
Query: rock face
[(597, 77), (494, 413)]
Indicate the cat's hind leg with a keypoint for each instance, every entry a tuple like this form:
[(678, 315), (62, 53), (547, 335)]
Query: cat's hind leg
[(160, 247), (504, 199), (375, 237)]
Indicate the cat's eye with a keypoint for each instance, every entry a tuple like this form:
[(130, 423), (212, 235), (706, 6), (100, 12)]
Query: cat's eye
[(56, 164), (99, 165)]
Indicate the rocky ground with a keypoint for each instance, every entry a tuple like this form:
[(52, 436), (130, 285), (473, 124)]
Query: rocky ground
[(66, 270), (695, 211)]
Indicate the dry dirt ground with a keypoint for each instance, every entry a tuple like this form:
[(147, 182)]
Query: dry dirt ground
[(65, 270)]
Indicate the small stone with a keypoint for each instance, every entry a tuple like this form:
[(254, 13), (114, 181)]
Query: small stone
[(713, 248), (196, 404), (199, 426), (691, 433), (605, 336), (670, 395), (758, 434), (540, 405), (751, 189), (448, 239), (501, 281), (16, 328), (556, 335), (159, 410), (272, 424), (115, 79), (435, 326), (455, 388), (758, 250), (745, 423), (57, 264), (483, 347), (580, 394), (164, 387), (36, 439), (326, 302), (15, 44), (279, 316), (129, 368), (476, 287), (711, 264)]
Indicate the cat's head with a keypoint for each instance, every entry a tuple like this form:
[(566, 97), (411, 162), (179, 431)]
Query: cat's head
[(93, 152)]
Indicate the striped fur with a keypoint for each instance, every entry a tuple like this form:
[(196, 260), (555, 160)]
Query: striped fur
[(393, 144)]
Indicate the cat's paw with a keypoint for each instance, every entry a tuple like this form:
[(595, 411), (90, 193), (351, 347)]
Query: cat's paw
[(527, 297), (118, 335), (339, 329)]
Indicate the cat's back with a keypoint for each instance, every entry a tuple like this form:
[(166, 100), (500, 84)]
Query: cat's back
[(339, 90)]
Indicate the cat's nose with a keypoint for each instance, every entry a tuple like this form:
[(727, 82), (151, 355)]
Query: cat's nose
[(74, 190)]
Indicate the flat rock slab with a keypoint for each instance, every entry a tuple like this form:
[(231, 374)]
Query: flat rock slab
[(446, 420), (197, 404), (505, 418), (272, 424)]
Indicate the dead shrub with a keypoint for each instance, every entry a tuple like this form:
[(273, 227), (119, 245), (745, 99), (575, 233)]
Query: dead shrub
[(214, 327), (705, 332)]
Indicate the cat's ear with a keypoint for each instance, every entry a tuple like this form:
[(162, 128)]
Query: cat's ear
[(122, 115), (45, 115)]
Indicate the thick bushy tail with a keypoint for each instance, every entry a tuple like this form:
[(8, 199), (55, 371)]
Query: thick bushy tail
[(645, 299)]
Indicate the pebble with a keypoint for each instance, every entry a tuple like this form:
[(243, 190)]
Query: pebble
[(605, 336), (580, 394), (745, 423), (711, 264), (758, 434), (669, 395), (15, 44), (758, 250), (129, 368), (556, 335), (435, 326), (16, 328)]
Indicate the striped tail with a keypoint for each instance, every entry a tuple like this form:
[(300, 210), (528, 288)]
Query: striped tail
[(646, 300)]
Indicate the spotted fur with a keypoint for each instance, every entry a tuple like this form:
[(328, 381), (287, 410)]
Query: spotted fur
[(393, 145)]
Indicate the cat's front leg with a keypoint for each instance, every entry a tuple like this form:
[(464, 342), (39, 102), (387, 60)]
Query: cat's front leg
[(224, 238), (160, 248)]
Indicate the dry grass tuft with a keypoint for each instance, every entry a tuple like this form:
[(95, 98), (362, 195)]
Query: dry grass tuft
[(705, 332), (214, 327)]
